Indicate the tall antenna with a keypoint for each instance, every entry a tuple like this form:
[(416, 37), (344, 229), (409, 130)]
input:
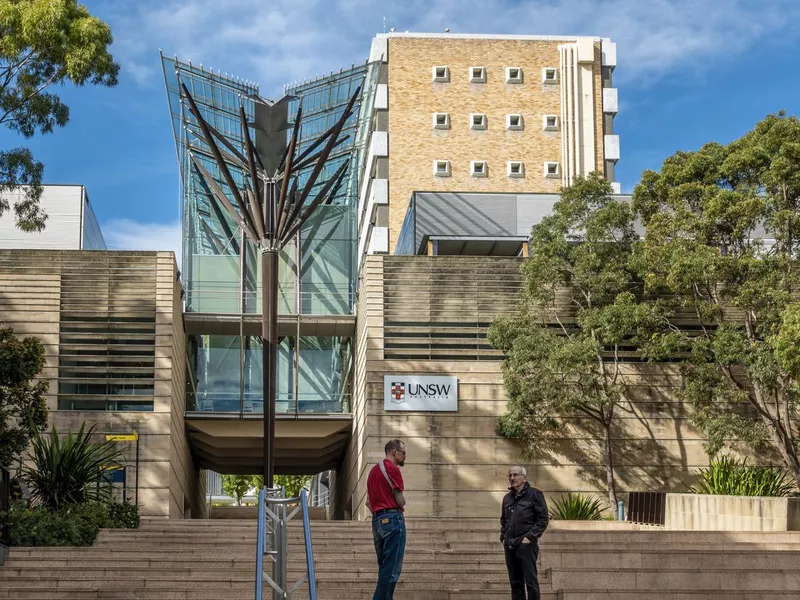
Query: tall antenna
[(384, 24)]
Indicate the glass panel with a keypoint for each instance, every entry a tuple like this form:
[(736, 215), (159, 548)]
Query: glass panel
[(319, 375), (219, 377), (327, 276), (218, 374)]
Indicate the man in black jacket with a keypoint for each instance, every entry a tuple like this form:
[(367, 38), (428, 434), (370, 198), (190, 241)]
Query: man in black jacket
[(522, 522)]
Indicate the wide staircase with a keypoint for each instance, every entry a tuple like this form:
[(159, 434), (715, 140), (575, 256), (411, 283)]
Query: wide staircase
[(445, 560)]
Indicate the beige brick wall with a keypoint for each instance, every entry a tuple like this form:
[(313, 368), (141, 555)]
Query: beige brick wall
[(109, 284), (456, 462), (414, 97)]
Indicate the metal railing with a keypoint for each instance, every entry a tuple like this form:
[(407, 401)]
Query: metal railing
[(272, 543), (253, 403), (647, 507)]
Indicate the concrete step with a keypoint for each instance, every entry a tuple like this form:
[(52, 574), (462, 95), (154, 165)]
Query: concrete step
[(428, 573), (735, 580), (660, 594), (747, 559), (103, 593)]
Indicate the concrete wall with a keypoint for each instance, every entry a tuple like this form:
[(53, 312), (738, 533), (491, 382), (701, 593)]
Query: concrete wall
[(119, 302), (428, 315), (413, 98), (344, 501), (705, 512)]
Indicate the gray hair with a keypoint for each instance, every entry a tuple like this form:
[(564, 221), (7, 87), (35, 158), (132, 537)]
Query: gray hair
[(522, 469)]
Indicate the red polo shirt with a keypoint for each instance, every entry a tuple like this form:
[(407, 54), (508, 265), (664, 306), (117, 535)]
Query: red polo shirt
[(379, 492)]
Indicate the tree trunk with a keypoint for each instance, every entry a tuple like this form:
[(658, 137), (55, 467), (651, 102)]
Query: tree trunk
[(782, 439), (608, 455)]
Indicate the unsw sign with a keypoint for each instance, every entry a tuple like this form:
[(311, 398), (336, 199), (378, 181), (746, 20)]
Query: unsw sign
[(420, 393)]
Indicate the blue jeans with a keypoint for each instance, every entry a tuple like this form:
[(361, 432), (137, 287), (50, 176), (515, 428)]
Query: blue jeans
[(389, 535)]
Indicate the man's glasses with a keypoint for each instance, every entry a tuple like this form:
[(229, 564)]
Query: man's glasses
[(512, 475)]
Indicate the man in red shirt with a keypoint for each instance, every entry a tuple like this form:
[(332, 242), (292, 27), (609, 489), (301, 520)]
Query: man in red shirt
[(385, 501)]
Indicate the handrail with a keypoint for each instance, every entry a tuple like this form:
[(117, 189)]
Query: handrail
[(260, 544), (272, 509), (312, 578)]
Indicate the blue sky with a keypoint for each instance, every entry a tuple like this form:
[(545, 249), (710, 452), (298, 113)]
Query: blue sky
[(689, 71)]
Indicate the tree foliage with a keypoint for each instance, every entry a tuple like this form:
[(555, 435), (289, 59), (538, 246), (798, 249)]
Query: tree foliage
[(23, 409), (582, 307), (723, 236), (43, 43), (237, 486), (293, 484)]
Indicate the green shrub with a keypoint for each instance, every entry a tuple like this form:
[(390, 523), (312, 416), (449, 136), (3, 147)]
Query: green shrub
[(75, 525), (576, 507), (731, 477), (122, 516), (70, 470)]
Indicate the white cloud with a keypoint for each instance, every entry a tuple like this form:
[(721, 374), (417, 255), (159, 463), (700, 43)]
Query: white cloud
[(127, 234), (287, 40)]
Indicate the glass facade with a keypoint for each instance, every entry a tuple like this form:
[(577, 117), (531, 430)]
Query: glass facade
[(222, 269), (211, 239), (312, 375)]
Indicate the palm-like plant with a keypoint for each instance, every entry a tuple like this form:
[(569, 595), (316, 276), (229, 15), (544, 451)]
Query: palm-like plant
[(731, 477), (576, 507), (69, 470)]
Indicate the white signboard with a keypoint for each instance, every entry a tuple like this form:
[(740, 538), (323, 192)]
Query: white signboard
[(420, 393)]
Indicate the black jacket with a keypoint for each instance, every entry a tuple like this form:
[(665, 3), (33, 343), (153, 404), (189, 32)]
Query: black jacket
[(523, 515)]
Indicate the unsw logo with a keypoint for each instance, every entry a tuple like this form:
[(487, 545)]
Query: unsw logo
[(398, 392)]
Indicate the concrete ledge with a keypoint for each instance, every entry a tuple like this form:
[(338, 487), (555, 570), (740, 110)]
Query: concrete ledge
[(704, 512)]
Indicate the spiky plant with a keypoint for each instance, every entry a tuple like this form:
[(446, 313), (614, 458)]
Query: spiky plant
[(576, 507), (69, 470), (731, 477)]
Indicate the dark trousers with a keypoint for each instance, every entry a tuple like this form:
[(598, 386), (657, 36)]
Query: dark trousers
[(389, 536), (521, 564)]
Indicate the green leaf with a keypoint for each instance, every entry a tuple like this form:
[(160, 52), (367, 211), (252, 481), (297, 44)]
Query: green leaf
[(731, 477), (576, 507), (44, 44), (69, 470)]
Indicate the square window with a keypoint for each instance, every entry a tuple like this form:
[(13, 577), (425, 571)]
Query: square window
[(513, 75), (551, 170), (478, 168), (441, 74), (514, 122), (549, 75), (441, 168), (516, 169), (550, 122), (477, 121), (477, 74), (441, 121)]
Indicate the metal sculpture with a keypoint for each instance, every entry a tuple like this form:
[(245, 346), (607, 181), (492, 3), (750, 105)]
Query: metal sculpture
[(271, 210)]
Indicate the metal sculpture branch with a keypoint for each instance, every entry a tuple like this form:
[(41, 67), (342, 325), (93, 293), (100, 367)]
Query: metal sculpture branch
[(270, 209)]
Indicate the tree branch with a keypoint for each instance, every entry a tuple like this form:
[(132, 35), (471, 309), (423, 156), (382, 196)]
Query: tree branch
[(33, 94)]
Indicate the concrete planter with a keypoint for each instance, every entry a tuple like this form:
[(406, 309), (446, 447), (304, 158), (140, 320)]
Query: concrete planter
[(704, 512)]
